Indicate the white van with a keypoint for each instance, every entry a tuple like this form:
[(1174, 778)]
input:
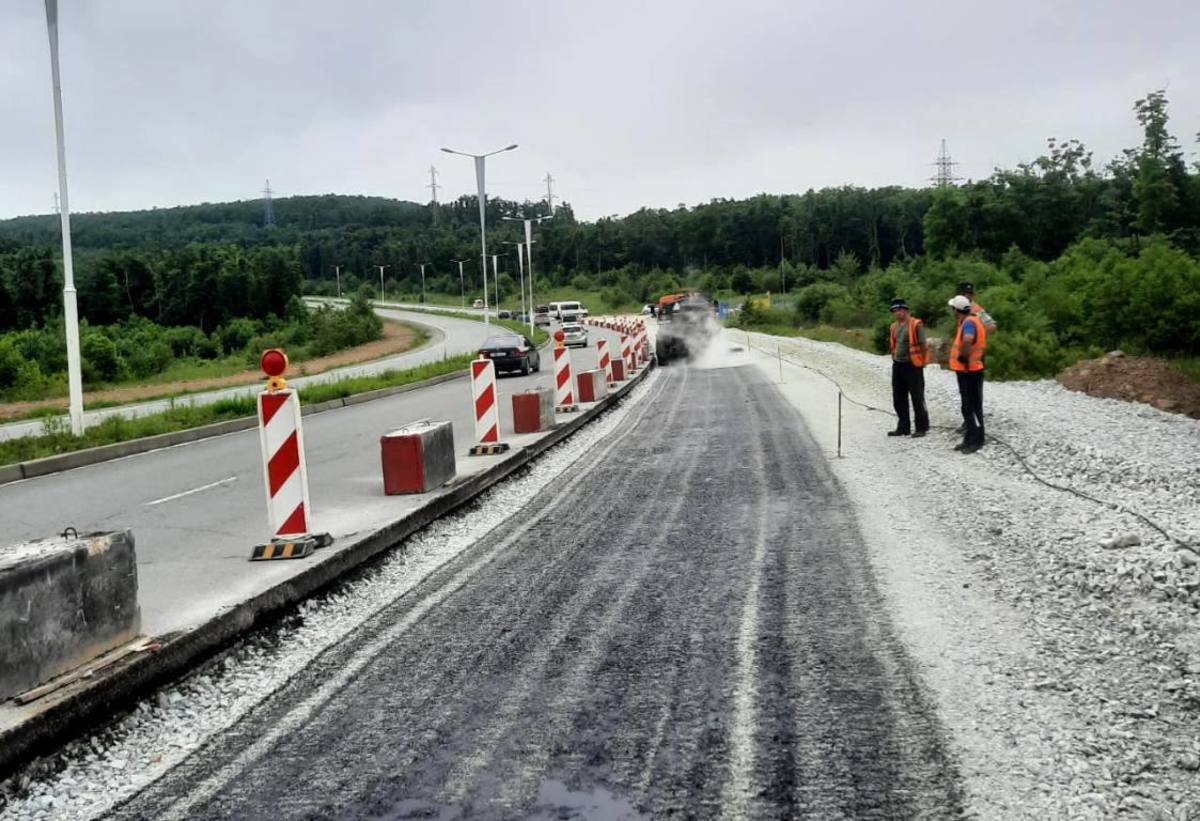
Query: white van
[(567, 311)]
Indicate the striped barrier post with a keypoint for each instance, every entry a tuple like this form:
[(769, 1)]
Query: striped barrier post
[(487, 409), (284, 472), (564, 398), (605, 360), (625, 356)]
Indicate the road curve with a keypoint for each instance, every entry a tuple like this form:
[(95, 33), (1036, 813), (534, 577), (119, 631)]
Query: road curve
[(685, 625), (450, 336)]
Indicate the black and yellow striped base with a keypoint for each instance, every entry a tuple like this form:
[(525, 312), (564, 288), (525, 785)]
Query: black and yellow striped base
[(297, 548), (488, 450)]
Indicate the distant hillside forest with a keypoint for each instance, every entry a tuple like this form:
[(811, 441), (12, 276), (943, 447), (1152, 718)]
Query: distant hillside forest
[(197, 265)]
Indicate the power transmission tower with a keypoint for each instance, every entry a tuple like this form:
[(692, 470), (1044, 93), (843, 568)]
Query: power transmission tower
[(433, 183), (268, 208), (944, 176), (56, 209), (550, 192)]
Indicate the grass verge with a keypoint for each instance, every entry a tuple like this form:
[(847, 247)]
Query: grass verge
[(56, 437)]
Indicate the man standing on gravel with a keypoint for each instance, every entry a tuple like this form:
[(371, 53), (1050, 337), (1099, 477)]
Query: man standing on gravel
[(906, 340), (966, 360)]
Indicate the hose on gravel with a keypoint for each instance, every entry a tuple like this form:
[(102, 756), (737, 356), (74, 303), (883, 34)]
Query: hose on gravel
[(1120, 508)]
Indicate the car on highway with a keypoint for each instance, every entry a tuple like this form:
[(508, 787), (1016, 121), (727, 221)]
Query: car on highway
[(568, 311), (575, 335), (541, 316), (512, 352)]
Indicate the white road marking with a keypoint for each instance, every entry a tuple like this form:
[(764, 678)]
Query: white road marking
[(201, 489)]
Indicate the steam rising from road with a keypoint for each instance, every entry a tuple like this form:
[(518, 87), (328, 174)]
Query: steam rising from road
[(723, 349)]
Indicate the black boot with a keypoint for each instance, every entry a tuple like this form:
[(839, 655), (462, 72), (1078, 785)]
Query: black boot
[(898, 432)]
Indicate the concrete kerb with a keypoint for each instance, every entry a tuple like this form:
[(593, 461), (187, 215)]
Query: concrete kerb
[(105, 696), (119, 450)]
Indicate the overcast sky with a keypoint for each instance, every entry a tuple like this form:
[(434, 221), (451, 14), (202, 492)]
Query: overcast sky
[(627, 104)]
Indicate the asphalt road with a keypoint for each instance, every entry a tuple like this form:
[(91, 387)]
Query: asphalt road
[(197, 509), (686, 625), (450, 336)]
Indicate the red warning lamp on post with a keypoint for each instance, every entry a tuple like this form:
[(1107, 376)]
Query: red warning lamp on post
[(559, 336), (274, 363)]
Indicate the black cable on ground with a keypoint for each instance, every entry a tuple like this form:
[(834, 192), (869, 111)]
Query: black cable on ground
[(996, 439)]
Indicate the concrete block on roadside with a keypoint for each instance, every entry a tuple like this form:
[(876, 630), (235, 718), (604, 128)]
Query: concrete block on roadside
[(592, 386), (417, 458), (63, 602), (533, 410), (618, 369)]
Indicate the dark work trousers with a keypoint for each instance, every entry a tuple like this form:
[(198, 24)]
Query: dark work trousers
[(908, 381), (970, 388)]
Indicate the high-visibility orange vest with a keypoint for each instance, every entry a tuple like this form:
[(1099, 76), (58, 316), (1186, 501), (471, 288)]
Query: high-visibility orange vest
[(975, 357), (918, 355)]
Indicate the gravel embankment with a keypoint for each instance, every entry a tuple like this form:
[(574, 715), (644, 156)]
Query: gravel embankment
[(1059, 636)]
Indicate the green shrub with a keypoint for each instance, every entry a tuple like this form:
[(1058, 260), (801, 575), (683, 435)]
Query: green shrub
[(102, 361)]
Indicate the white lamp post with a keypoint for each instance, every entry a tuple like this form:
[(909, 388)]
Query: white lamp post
[(423, 264), (70, 307), (479, 159), (382, 292), (520, 270), (529, 255), (462, 287), (337, 272)]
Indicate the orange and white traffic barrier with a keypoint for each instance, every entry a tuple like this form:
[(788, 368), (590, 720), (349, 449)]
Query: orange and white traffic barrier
[(605, 359), (564, 397), (284, 472), (487, 409), (626, 355)]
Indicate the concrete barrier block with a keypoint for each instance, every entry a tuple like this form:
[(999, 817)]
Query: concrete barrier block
[(417, 458), (592, 386), (62, 603), (618, 369), (533, 410)]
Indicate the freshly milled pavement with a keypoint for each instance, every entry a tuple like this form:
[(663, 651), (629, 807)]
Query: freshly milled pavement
[(685, 625)]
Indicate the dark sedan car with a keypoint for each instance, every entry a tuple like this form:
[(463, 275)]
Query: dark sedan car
[(512, 353)]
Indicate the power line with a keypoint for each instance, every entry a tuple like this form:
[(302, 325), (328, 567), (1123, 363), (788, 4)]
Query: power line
[(433, 183), (944, 176), (268, 208)]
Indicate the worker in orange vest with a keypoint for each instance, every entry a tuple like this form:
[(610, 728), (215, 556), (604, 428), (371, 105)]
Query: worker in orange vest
[(966, 360), (910, 352)]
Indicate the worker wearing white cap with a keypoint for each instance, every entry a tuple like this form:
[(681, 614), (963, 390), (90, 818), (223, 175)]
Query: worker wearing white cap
[(966, 360)]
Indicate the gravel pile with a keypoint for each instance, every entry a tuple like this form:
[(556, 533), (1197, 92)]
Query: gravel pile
[(1091, 706), (93, 774)]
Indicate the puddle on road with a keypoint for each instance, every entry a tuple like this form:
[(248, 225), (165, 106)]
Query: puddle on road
[(554, 800)]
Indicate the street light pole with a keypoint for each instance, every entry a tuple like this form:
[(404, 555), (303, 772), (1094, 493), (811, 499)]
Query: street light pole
[(520, 270), (423, 264), (496, 278), (382, 292), (479, 175), (529, 255), (70, 306), (337, 272), (461, 282)]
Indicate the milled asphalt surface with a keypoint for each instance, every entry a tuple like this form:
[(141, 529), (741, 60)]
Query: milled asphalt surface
[(196, 510), (451, 336), (685, 625)]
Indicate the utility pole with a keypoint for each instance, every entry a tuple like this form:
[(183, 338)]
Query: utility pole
[(496, 279), (529, 254), (520, 271), (423, 264), (70, 306), (382, 292), (433, 183), (462, 286), (268, 207), (944, 175), (337, 272), (550, 192)]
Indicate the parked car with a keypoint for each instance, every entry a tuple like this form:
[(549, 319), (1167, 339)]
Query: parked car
[(504, 315), (477, 303), (575, 336), (512, 352), (541, 316)]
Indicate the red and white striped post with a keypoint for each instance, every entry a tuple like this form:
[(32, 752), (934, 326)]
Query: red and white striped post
[(564, 397), (284, 472), (487, 409), (626, 356), (605, 360)]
